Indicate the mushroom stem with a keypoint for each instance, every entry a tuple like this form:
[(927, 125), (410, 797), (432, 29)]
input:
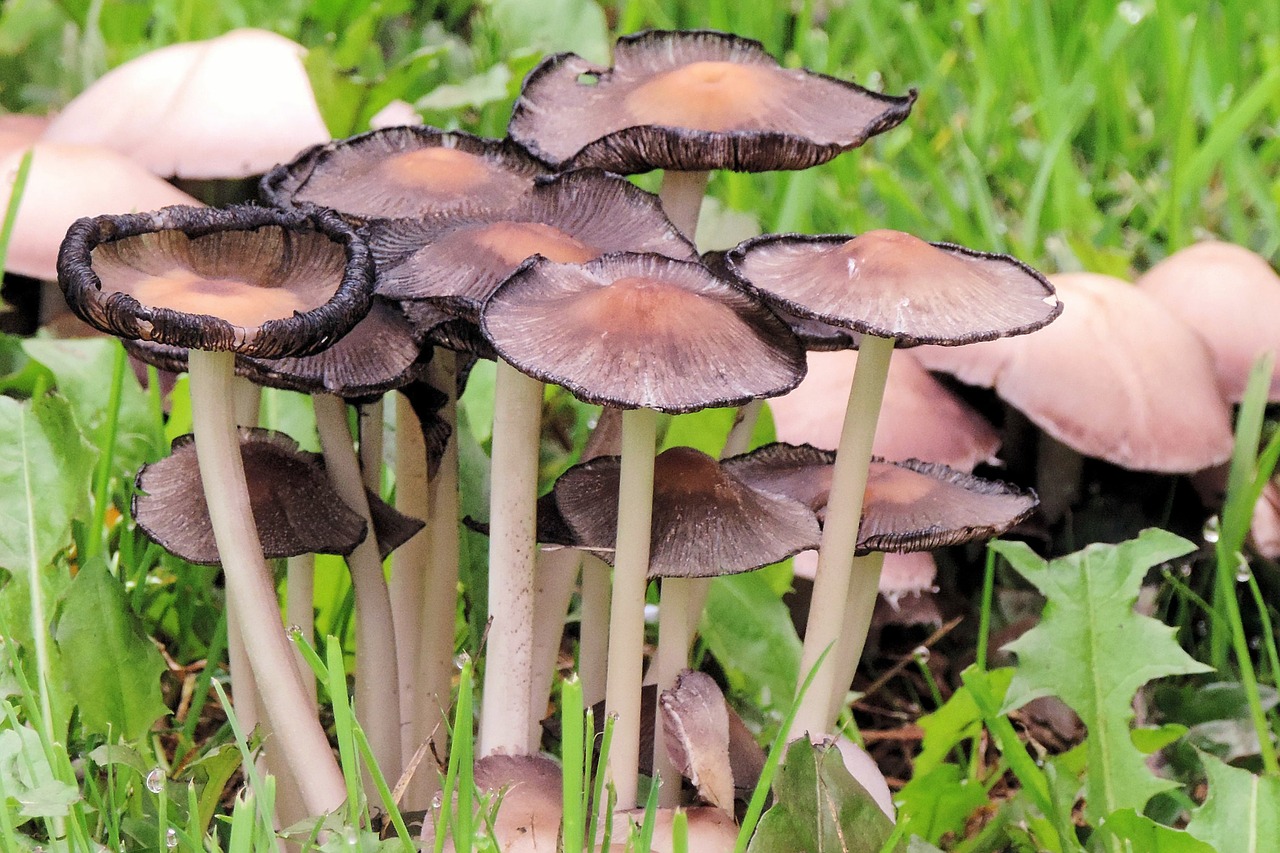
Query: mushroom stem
[(557, 570), (827, 619), (302, 741), (626, 615), (513, 495), (864, 589), (410, 566), (299, 611), (681, 196), (370, 432), (672, 656), (376, 669), (593, 633)]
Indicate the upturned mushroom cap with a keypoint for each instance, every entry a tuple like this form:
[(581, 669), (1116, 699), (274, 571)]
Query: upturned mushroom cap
[(635, 331), (294, 506), (256, 281), (693, 101), (405, 172), (893, 285), (457, 261), (67, 182), (1117, 377), (909, 505), (919, 418), (528, 817), (706, 522), (229, 107), (1231, 297)]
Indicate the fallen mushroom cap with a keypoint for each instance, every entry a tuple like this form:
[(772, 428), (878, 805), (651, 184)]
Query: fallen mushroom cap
[(693, 101), (1231, 297), (67, 182), (1117, 377), (919, 418), (404, 172), (295, 508), (909, 505), (705, 521), (457, 261), (893, 285), (229, 107), (635, 331), (257, 281)]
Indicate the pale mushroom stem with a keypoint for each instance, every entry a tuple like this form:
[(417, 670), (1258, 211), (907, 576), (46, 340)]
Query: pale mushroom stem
[(410, 565), (377, 707), (593, 634), (864, 589), (557, 571), (297, 731), (626, 614), (513, 496), (371, 444), (674, 616), (827, 622), (299, 610), (681, 196)]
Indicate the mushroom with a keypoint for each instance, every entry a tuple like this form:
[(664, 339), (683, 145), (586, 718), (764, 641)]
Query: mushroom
[(894, 289), (646, 334), (689, 102), (1231, 297), (258, 282)]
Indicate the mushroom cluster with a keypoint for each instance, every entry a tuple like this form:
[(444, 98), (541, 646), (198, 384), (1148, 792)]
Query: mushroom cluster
[(393, 259)]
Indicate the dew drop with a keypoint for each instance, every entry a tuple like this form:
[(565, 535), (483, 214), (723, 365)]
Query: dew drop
[(921, 654), (1185, 570), (976, 8), (1130, 11), (155, 780), (1210, 532), (171, 838), (1243, 574)]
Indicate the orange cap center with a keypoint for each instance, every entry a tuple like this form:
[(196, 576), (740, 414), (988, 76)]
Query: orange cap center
[(513, 242), (238, 302), (442, 170), (713, 96)]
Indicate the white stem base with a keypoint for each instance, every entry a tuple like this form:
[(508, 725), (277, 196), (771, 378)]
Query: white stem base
[(593, 634)]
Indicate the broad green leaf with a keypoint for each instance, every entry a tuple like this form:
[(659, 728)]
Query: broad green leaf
[(955, 722), (21, 375), (45, 470), (818, 807), (115, 668), (1144, 835), (1242, 811), (551, 26), (29, 780), (749, 630), (1092, 651), (487, 87), (938, 802), (17, 624), (1150, 740)]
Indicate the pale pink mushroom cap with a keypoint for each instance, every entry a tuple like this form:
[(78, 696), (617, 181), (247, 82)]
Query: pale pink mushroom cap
[(1231, 296), (919, 418), (1116, 377), (1266, 522), (67, 182), (229, 107)]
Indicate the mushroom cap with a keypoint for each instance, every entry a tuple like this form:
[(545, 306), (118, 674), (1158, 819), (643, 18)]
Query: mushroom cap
[(710, 830), (909, 505), (1231, 297), (229, 107), (457, 261), (693, 101), (404, 172), (67, 182), (635, 331), (1265, 529), (294, 507), (919, 418), (445, 329), (893, 285), (284, 284), (706, 522), (1117, 377), (528, 818)]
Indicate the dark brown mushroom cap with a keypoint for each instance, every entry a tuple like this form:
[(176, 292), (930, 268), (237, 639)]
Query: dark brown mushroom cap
[(893, 285), (382, 352), (444, 329), (634, 331), (404, 172), (253, 280), (909, 505), (693, 101), (295, 508), (706, 522), (458, 261)]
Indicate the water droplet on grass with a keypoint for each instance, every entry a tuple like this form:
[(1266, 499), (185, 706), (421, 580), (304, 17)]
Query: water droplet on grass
[(171, 838), (155, 780), (1210, 532)]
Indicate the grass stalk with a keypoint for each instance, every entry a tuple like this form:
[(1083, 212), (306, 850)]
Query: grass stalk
[(573, 828), (97, 534)]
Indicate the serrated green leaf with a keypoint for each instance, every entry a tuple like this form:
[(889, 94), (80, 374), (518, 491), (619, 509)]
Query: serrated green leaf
[(819, 807), (1146, 836), (939, 802), (1094, 652), (45, 470), (955, 722), (1242, 811), (116, 668), (1150, 740)]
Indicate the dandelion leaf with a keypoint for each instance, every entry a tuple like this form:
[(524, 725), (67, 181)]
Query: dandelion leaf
[(1242, 811)]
